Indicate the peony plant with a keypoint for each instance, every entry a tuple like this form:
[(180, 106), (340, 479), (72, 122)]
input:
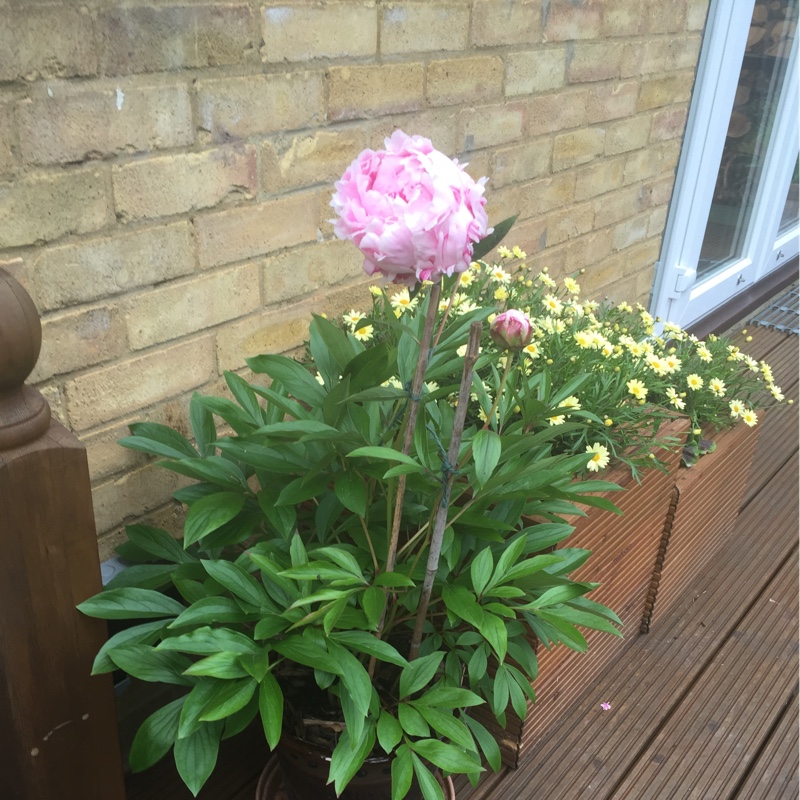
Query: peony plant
[(357, 563)]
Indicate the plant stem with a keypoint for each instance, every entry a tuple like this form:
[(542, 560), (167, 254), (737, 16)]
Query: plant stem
[(411, 421), (473, 348)]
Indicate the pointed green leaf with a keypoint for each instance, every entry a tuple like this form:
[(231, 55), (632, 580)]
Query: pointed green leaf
[(210, 513), (155, 736), (130, 603), (196, 755)]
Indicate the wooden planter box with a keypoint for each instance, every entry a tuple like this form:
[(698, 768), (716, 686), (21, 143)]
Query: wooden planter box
[(707, 501), (625, 551)]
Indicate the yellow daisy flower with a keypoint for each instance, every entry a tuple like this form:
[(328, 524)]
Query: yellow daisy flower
[(553, 304), (571, 285), (364, 333), (557, 419), (571, 403), (402, 301), (704, 354), (500, 293), (717, 386), (749, 417), (675, 399), (504, 252), (352, 318), (737, 408), (465, 279), (599, 459), (637, 389), (517, 252), (531, 350), (694, 381), (499, 275)]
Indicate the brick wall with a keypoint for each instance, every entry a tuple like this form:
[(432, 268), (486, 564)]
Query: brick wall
[(166, 168)]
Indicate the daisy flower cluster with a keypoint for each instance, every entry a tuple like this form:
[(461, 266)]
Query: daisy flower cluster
[(601, 378)]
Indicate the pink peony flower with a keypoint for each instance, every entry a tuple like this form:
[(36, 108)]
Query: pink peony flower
[(413, 212), (511, 330)]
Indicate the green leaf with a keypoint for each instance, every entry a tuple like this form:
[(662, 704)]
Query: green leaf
[(224, 665), (431, 790), (154, 666), (355, 678), (445, 756), (530, 567), (155, 736), (270, 705), (228, 411), (203, 427), (383, 453), (402, 772), (507, 560), (463, 604), (147, 633), (348, 757), (486, 742), (481, 570), (486, 447), (477, 664), (301, 489), (493, 629), (212, 469), (419, 673), (206, 641), (196, 755), (364, 642), (341, 558), (295, 378), (158, 543), (197, 701), (302, 650), (143, 576), (210, 610), (233, 696), (237, 581), (412, 722), (245, 396), (210, 513), (352, 492), (558, 594), (373, 601), (161, 438), (449, 697), (445, 724), (389, 730), (568, 633), (393, 580), (130, 603), (269, 626), (489, 242)]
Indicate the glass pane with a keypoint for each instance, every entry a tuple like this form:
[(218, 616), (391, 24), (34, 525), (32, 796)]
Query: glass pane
[(769, 43), (789, 217)]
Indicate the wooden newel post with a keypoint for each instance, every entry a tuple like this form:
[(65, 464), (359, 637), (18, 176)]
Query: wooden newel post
[(58, 734)]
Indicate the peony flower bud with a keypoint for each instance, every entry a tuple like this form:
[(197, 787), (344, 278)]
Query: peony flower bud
[(511, 330)]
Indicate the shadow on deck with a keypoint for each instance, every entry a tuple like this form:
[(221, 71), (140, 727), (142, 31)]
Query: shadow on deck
[(704, 706)]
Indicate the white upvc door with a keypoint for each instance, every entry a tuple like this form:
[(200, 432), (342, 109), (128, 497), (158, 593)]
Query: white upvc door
[(733, 216)]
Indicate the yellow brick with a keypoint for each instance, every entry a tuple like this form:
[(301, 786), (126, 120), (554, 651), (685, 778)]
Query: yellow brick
[(499, 22), (78, 339), (72, 123), (569, 223), (557, 112), (596, 61), (465, 80), (250, 231), (616, 206), (629, 232), (577, 147), (587, 250), (669, 124), (627, 134), (424, 27), (190, 305), (534, 71), (643, 164), (530, 236), (303, 160), (491, 125), (548, 194), (657, 192), (522, 162), (567, 20), (622, 17), (175, 184), (683, 52), (95, 268), (663, 18), (134, 494), (55, 399), (696, 14), (665, 91), (269, 332), (107, 393), (438, 125), (293, 32), (173, 37), (357, 92), (478, 165), (294, 274), (8, 141), (46, 42), (253, 104), (45, 207), (599, 178), (611, 101), (658, 221)]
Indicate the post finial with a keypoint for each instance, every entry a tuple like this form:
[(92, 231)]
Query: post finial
[(24, 413)]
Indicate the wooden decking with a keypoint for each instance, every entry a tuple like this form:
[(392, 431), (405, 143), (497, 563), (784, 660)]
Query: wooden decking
[(704, 706)]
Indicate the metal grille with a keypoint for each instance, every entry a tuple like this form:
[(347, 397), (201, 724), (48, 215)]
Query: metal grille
[(782, 314)]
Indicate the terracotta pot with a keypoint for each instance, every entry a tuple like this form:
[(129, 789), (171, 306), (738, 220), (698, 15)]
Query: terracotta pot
[(298, 770)]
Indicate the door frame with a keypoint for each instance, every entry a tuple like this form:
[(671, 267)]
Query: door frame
[(675, 286)]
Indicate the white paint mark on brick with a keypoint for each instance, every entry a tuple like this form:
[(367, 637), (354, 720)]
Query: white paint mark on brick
[(396, 15), (120, 99), (49, 92), (277, 15)]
